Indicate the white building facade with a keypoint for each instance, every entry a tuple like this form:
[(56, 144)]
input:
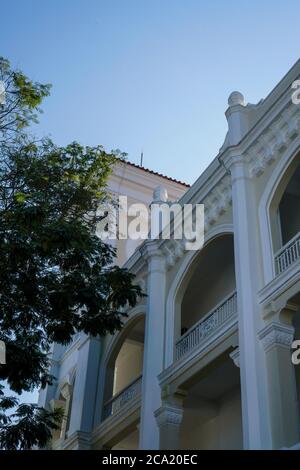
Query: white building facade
[(204, 361)]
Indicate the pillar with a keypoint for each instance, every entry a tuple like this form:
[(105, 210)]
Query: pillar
[(277, 339), (84, 393), (169, 418), (154, 344), (255, 400)]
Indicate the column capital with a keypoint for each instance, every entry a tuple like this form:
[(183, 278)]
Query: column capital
[(169, 414), (236, 164), (150, 250), (276, 334)]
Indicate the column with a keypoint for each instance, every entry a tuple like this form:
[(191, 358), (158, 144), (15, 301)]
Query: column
[(154, 344), (277, 339), (169, 418), (255, 406), (84, 394)]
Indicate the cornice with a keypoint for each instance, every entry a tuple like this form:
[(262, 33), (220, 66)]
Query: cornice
[(270, 295), (80, 439), (267, 139)]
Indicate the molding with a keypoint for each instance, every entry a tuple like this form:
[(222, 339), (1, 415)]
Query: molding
[(274, 140), (112, 425), (276, 294), (79, 440), (276, 334), (150, 249), (235, 356), (169, 414), (178, 368)]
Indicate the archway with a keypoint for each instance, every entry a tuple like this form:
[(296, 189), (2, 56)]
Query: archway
[(124, 368), (285, 218), (206, 296)]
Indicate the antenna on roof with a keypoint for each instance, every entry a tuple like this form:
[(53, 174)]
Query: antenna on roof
[(142, 157)]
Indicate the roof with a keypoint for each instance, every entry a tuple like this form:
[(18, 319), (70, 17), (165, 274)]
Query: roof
[(135, 165)]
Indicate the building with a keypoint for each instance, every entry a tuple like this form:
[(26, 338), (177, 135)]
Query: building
[(204, 362)]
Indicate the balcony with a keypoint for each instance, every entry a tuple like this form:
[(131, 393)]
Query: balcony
[(207, 326), (287, 255), (125, 396)]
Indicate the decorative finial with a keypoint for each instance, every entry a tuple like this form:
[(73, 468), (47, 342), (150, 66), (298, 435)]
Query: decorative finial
[(236, 98)]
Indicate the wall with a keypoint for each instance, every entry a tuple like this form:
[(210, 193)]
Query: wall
[(129, 364), (217, 426)]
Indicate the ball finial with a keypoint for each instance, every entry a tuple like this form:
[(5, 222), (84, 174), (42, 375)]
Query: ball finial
[(236, 98)]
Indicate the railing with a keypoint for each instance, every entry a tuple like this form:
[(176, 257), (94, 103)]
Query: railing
[(207, 325), (287, 255), (132, 391)]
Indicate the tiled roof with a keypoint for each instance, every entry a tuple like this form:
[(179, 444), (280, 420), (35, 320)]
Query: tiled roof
[(135, 165)]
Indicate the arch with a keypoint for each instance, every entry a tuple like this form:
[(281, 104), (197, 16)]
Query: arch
[(272, 195), (111, 351), (178, 286), (135, 315)]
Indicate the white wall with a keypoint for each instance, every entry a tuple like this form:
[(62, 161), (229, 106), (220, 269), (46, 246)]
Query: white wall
[(128, 365), (214, 426)]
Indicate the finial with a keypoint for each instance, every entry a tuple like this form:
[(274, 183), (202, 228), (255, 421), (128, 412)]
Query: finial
[(236, 98)]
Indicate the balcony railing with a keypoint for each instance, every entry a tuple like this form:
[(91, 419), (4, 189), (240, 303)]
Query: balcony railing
[(287, 255), (207, 325), (132, 391)]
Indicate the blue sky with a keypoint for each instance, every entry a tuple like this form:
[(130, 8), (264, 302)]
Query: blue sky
[(151, 75)]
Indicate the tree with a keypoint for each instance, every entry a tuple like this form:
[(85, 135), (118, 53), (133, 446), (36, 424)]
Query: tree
[(56, 275), (22, 99)]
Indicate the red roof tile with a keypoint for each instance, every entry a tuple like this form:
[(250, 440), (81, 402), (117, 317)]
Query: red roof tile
[(135, 165)]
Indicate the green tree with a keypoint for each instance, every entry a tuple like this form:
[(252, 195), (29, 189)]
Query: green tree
[(56, 275), (22, 101)]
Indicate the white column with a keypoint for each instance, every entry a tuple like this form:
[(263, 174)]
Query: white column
[(255, 406), (277, 339), (154, 345), (84, 394), (169, 418)]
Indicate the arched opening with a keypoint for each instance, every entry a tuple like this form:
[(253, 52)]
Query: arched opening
[(206, 299), (124, 369), (285, 218), (64, 402), (289, 208)]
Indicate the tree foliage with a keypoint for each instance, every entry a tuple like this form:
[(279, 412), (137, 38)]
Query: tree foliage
[(22, 101), (56, 275)]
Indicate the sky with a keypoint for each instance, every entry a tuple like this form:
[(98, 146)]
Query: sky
[(149, 75)]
